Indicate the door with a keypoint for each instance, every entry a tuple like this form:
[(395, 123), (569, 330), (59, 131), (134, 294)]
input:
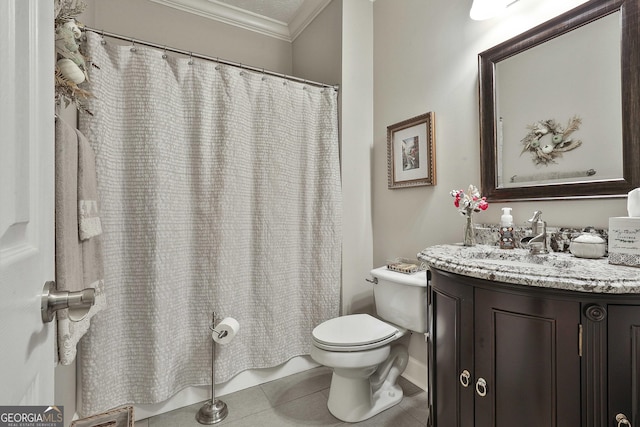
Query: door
[(26, 200), (624, 365), (451, 351), (527, 360)]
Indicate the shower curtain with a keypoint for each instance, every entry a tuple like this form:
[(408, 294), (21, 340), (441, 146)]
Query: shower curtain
[(219, 191)]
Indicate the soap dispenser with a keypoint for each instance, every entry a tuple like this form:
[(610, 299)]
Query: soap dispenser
[(506, 230)]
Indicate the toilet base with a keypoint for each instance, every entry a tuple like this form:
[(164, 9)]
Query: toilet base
[(351, 399)]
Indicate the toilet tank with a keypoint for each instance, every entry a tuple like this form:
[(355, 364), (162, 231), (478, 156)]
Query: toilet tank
[(401, 298)]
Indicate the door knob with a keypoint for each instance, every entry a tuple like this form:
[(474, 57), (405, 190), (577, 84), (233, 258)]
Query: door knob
[(54, 300)]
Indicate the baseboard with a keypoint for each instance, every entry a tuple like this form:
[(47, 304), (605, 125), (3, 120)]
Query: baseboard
[(243, 380), (416, 372)]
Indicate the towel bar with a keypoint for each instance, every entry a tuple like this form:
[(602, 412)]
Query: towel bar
[(54, 300)]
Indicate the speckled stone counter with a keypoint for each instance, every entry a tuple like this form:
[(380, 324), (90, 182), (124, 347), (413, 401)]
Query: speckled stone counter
[(557, 270)]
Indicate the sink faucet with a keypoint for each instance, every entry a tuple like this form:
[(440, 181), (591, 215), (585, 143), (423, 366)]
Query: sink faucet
[(538, 242)]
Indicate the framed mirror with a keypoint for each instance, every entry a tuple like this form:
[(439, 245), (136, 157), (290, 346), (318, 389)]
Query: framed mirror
[(560, 107)]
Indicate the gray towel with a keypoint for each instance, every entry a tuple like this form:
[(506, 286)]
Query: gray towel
[(78, 253)]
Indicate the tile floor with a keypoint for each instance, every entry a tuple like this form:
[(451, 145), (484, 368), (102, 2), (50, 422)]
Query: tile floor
[(296, 400)]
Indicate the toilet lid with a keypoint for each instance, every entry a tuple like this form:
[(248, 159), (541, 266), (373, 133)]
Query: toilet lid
[(353, 330)]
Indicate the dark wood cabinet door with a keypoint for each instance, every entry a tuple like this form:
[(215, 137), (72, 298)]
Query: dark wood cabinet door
[(451, 351), (527, 352), (624, 363)]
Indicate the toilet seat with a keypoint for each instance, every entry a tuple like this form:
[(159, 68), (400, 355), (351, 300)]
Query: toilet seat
[(354, 332)]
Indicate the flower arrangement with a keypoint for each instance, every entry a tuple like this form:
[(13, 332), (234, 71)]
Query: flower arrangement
[(469, 202), (71, 64)]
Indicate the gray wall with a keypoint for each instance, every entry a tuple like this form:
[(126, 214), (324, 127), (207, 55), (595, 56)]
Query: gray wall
[(145, 20), (316, 52), (426, 60)]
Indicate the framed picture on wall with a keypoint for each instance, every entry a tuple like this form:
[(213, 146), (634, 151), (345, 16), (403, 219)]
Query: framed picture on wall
[(411, 152)]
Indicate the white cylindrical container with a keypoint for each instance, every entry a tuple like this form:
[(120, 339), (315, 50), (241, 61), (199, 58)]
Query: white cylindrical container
[(588, 245)]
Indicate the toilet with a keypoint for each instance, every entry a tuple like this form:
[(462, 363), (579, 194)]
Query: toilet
[(361, 349)]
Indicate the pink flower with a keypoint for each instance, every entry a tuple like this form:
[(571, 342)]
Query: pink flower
[(469, 202)]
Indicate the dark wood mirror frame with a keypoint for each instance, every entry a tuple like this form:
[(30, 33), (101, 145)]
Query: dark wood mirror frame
[(630, 66)]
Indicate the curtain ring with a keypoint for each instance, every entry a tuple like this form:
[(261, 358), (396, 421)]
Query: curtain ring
[(164, 53), (102, 40), (264, 78), (190, 58), (242, 73), (133, 46), (284, 79), (217, 63)]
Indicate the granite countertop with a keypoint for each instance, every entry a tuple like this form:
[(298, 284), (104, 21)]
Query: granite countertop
[(557, 270)]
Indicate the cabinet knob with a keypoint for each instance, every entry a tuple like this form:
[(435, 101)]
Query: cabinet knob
[(595, 312), (465, 378), (622, 420), (481, 387)]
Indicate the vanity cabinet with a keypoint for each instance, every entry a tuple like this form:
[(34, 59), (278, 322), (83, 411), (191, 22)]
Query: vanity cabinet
[(502, 357), (527, 353), (623, 364), (517, 339), (451, 352)]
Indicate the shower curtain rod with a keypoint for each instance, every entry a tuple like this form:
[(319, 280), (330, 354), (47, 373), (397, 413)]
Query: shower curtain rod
[(210, 58)]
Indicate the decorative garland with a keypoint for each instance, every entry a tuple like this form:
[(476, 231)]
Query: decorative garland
[(547, 140), (71, 64)]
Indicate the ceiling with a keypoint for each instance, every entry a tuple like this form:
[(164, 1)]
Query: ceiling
[(282, 19)]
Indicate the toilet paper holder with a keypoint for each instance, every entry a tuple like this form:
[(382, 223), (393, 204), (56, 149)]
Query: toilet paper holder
[(53, 300), (221, 334), (214, 410)]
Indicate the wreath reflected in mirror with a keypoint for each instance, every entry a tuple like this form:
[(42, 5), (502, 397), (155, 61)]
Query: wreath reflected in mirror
[(71, 64), (547, 140)]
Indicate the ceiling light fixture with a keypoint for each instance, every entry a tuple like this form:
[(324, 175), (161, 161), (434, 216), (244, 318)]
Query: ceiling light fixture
[(485, 9)]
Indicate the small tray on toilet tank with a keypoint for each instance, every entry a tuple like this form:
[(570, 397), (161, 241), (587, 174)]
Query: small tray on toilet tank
[(405, 265)]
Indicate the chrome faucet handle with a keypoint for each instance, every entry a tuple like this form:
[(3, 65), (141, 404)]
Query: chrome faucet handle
[(537, 242), (536, 217)]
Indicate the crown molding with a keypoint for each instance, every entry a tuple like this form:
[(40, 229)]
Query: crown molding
[(247, 20), (309, 10)]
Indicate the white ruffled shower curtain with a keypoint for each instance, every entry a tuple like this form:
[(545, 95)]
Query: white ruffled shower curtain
[(220, 190)]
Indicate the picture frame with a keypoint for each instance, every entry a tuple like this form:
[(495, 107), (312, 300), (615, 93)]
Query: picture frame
[(411, 153)]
